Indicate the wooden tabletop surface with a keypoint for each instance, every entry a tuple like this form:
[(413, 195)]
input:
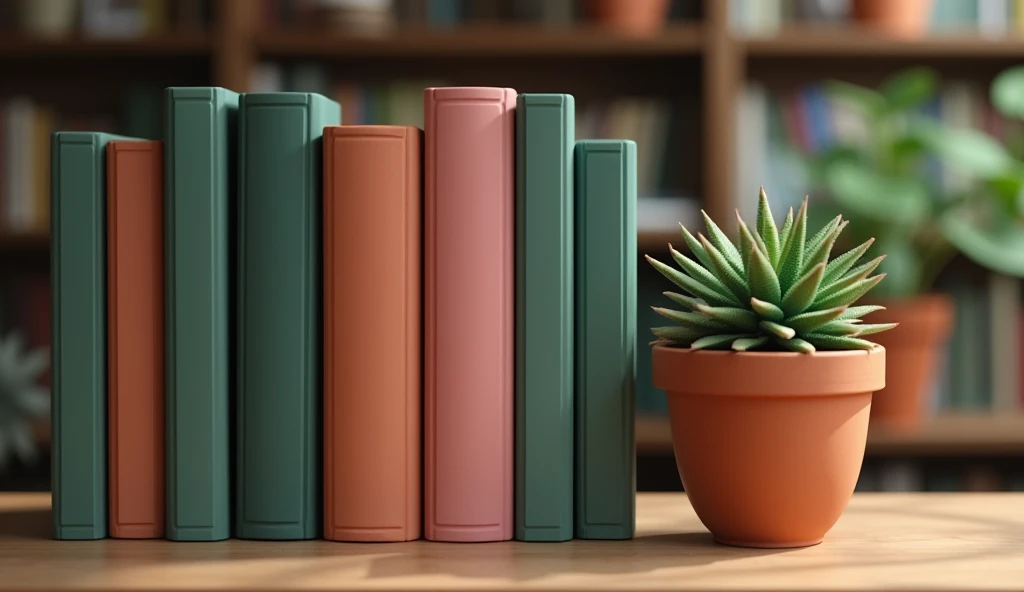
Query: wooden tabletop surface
[(938, 541)]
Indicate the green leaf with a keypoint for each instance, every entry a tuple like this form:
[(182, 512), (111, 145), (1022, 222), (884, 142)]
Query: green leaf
[(698, 272), (693, 320), (726, 272), (965, 149), (687, 302), (822, 250), (864, 191), (809, 321), (748, 343), (874, 328), (848, 295), (716, 341), (831, 342), (792, 259), (802, 293), (855, 275), (767, 310), (1000, 249), (815, 241), (766, 228), (781, 331), (837, 328), (1007, 92), (746, 240), (787, 229), (678, 334), (740, 318), (761, 278), (868, 101), (692, 286), (909, 88), (855, 312), (841, 264), (695, 248), (796, 344), (722, 243)]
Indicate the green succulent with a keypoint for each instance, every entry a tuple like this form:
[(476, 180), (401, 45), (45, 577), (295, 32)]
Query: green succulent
[(775, 290)]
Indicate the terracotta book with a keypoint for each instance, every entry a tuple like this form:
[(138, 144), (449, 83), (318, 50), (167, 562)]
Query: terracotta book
[(78, 176), (135, 321), (545, 138), (605, 173), (468, 313), (372, 335)]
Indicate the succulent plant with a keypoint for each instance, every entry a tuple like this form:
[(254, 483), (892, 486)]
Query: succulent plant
[(22, 399), (775, 290)]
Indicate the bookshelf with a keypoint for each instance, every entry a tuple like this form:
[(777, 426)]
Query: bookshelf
[(699, 63)]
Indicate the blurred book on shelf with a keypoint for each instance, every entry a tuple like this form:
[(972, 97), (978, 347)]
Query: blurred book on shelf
[(103, 19)]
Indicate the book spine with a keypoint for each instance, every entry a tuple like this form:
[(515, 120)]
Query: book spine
[(136, 347), (372, 333), (544, 451), (78, 277), (198, 164), (278, 307), (605, 173), (468, 308)]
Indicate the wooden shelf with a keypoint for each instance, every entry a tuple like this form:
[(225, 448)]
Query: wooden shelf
[(946, 435), (480, 41), (184, 43), (853, 42)]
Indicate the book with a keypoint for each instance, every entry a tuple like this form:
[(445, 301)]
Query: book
[(468, 313), (605, 186), (78, 276), (373, 179), (280, 159), (135, 318), (544, 450), (200, 143)]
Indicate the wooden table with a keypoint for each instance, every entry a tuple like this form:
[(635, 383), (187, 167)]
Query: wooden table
[(883, 541)]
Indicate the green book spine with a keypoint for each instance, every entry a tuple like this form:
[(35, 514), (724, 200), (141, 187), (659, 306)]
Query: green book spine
[(78, 197), (545, 138), (605, 173), (199, 147), (279, 314)]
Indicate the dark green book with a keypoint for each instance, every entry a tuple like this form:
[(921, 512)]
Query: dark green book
[(280, 175), (605, 172), (199, 151), (78, 198), (545, 135)]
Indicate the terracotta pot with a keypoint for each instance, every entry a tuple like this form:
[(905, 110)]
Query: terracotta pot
[(914, 350), (769, 445), (632, 17), (901, 18)]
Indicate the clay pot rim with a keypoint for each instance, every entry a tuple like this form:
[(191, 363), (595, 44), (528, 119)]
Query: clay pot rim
[(681, 371)]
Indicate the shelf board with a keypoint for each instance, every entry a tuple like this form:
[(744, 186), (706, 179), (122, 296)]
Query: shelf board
[(25, 241), (481, 41), (856, 42), (182, 43), (944, 435)]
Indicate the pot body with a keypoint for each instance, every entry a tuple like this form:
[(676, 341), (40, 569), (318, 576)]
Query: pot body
[(632, 17), (901, 18), (769, 445), (914, 350)]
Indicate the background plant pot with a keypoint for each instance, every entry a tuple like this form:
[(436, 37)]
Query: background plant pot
[(769, 445), (902, 18), (633, 17), (914, 349)]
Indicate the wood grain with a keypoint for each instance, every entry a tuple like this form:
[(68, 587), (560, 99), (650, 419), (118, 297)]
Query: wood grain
[(946, 542)]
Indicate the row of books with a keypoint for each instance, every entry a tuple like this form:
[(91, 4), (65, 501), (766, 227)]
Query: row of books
[(760, 17), (488, 329), (910, 475), (103, 18), (651, 122)]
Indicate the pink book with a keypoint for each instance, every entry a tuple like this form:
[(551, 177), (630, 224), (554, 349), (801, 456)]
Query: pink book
[(468, 313)]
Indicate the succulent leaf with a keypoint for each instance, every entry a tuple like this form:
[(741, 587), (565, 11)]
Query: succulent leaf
[(732, 279), (831, 342), (841, 264), (819, 253), (698, 272), (874, 328), (855, 312), (854, 275), (802, 293), (691, 319), (693, 286), (688, 302), (749, 343), (780, 331), (767, 310), (791, 262), (678, 334), (809, 321), (848, 295), (722, 243), (740, 318), (766, 228), (815, 241), (698, 251), (762, 280), (787, 228), (716, 341), (837, 328), (796, 344)]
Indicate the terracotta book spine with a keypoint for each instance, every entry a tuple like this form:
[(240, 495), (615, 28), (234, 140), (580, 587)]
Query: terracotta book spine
[(605, 338), (468, 313), (372, 336), (78, 197), (544, 317), (277, 455), (135, 343)]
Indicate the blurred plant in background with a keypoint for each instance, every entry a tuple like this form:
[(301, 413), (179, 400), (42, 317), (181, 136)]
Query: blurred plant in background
[(22, 399), (887, 183)]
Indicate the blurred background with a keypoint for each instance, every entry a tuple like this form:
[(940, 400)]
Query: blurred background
[(902, 115)]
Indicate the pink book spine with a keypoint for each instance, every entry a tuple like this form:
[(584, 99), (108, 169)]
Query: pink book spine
[(468, 313)]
